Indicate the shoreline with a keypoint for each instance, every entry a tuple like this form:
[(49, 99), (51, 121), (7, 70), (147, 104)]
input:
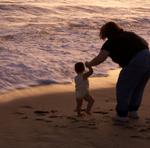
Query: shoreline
[(95, 83), (44, 117)]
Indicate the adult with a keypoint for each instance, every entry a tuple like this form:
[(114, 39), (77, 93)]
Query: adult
[(132, 53)]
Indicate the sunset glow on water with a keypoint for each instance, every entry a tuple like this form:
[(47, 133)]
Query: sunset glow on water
[(40, 40)]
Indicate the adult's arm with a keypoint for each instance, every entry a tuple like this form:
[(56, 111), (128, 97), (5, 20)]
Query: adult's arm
[(101, 57)]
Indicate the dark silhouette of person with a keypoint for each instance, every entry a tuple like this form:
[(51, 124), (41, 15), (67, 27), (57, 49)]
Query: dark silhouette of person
[(132, 53)]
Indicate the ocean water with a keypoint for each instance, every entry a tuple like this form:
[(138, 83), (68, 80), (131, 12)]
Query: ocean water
[(41, 40)]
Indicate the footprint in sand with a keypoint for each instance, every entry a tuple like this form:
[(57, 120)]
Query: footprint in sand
[(148, 138), (118, 123), (39, 119), (136, 136), (87, 127), (19, 113), (83, 126), (147, 120), (54, 116), (41, 113), (43, 120), (53, 111), (116, 135), (92, 124), (111, 110), (61, 126), (26, 106), (93, 128), (73, 119), (106, 100), (148, 128), (100, 112), (22, 114), (48, 121), (129, 127), (143, 130), (25, 117)]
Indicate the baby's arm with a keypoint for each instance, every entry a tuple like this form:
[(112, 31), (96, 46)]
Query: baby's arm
[(88, 73)]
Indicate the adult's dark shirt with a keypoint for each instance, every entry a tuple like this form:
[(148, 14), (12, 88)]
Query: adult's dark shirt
[(123, 47)]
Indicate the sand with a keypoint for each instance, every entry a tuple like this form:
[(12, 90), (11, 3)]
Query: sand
[(44, 117)]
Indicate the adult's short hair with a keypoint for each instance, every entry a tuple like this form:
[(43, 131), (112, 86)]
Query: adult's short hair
[(109, 29)]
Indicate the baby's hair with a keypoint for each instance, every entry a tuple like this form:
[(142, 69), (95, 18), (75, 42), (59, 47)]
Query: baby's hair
[(79, 67)]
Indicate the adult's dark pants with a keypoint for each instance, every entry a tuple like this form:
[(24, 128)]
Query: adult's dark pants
[(131, 83)]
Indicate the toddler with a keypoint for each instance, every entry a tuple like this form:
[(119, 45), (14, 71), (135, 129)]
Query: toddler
[(82, 88)]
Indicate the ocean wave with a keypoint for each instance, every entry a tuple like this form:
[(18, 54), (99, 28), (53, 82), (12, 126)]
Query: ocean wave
[(40, 41)]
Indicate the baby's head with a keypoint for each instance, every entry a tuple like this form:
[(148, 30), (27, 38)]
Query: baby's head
[(79, 67)]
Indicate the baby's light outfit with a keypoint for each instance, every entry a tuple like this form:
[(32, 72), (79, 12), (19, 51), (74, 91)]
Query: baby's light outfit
[(81, 86)]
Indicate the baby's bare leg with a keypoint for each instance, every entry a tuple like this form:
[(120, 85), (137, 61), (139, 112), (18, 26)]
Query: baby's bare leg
[(90, 101), (79, 105)]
